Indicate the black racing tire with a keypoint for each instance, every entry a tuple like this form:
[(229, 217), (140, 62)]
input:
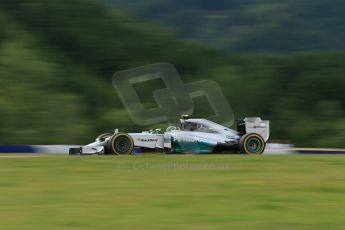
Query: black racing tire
[(120, 144), (104, 136), (252, 144)]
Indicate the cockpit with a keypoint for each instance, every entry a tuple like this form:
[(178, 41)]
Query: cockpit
[(204, 125), (196, 125)]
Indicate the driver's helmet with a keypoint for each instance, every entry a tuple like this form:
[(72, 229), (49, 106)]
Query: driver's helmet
[(190, 126)]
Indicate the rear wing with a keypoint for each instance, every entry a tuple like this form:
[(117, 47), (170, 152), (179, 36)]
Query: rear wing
[(254, 125)]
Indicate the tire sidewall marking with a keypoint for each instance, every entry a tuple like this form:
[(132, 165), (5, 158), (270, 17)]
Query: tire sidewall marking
[(118, 135), (246, 139)]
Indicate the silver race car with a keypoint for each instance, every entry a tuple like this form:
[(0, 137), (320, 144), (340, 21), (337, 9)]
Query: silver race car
[(192, 136)]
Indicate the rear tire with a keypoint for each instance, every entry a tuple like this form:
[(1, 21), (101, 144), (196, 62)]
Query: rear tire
[(120, 144), (252, 143)]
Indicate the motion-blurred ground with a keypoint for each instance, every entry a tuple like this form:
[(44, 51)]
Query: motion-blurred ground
[(172, 192)]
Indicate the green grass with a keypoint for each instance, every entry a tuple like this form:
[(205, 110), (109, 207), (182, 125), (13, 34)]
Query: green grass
[(173, 192)]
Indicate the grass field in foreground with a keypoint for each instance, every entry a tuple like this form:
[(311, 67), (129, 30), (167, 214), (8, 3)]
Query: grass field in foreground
[(172, 192)]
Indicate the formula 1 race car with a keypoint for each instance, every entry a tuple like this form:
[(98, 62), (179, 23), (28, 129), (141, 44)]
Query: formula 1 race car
[(192, 136)]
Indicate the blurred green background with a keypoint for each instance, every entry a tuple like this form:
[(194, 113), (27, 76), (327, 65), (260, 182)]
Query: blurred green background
[(282, 61)]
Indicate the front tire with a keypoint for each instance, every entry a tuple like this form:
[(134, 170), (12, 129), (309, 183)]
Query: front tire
[(252, 143), (121, 144)]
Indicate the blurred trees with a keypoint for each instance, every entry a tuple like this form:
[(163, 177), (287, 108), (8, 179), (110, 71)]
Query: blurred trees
[(57, 59), (249, 26)]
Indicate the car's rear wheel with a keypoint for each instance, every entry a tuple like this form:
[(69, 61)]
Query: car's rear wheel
[(252, 143), (120, 144)]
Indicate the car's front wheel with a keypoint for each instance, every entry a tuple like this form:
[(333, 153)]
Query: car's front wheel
[(252, 143), (121, 144)]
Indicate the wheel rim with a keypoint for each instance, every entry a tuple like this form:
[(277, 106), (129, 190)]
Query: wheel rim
[(254, 145), (122, 145)]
